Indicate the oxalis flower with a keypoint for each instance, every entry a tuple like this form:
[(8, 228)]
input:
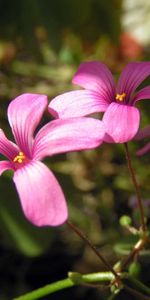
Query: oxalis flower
[(42, 199), (121, 118), (143, 134)]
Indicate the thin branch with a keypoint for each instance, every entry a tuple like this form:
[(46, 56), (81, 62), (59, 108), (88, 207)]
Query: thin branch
[(137, 190), (86, 239), (136, 249)]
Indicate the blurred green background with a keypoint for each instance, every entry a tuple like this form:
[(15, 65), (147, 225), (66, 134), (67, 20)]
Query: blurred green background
[(41, 46)]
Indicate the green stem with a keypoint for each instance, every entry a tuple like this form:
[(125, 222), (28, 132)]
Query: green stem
[(74, 279), (137, 190), (98, 277), (47, 289)]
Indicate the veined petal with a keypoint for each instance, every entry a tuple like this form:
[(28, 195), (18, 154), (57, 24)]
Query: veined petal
[(131, 77), (5, 165), (64, 135), (77, 104), (95, 76), (143, 150), (41, 196), (142, 94), (7, 148), (121, 123), (24, 114)]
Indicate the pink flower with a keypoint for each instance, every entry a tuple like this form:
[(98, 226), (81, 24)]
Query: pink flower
[(42, 199), (142, 134), (121, 118)]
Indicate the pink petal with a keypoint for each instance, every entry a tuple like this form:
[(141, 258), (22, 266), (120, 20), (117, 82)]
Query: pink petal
[(7, 148), (142, 94), (95, 76), (143, 133), (121, 123), (131, 77), (64, 135), (24, 114), (76, 104), (143, 150), (41, 196), (5, 165)]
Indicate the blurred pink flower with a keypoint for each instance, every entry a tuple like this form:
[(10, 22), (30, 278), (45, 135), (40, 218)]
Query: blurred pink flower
[(42, 199), (121, 119), (142, 134)]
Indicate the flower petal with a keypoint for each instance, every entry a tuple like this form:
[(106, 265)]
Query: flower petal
[(142, 94), (24, 114), (143, 150), (95, 76), (41, 196), (131, 77), (64, 135), (5, 165), (7, 148), (76, 104), (121, 123), (142, 133)]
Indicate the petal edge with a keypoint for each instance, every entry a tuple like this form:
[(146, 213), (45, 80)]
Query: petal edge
[(77, 103), (95, 76), (65, 135)]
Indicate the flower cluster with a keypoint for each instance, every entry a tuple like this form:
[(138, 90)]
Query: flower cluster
[(41, 196)]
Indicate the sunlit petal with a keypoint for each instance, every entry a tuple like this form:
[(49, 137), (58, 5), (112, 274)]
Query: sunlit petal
[(64, 135), (40, 194), (121, 123), (95, 76), (24, 114), (77, 104)]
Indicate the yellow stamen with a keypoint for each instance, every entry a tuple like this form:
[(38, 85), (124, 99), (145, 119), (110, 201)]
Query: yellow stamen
[(120, 97), (19, 158)]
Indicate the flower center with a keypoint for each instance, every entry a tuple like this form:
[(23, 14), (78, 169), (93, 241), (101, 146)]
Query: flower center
[(19, 158), (120, 97)]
